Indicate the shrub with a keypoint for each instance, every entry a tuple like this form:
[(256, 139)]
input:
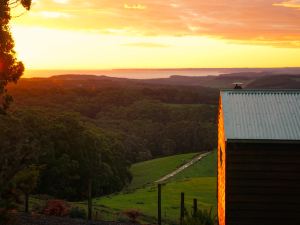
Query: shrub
[(56, 208), (77, 213), (3, 215), (8, 217), (38, 206), (201, 217), (123, 218), (132, 214)]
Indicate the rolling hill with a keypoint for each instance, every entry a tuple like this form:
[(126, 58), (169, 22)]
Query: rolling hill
[(198, 181)]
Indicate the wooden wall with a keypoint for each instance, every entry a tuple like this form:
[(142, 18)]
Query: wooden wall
[(221, 166), (263, 184)]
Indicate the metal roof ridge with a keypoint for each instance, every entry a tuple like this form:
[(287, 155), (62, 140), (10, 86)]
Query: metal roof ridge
[(257, 90)]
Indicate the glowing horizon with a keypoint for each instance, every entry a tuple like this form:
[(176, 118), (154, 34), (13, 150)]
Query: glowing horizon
[(98, 35)]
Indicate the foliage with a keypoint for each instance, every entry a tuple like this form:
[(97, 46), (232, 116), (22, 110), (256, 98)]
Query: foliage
[(26, 180), (8, 217), (200, 217), (77, 212), (123, 218), (149, 121), (97, 130), (151, 128), (132, 214), (10, 68), (73, 151), (18, 148), (56, 208)]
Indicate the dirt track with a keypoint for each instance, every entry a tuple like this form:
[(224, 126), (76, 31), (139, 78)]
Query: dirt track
[(183, 167)]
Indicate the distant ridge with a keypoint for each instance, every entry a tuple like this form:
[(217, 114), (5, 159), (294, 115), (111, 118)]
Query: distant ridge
[(163, 73), (77, 77)]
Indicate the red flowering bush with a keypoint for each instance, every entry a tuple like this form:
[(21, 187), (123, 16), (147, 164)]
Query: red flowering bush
[(56, 208), (132, 214)]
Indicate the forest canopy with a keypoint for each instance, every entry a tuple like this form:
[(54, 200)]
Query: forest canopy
[(75, 133)]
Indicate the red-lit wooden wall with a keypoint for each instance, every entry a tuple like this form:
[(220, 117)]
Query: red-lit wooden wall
[(221, 166)]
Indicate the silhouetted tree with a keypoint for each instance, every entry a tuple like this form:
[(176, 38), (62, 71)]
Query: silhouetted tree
[(26, 181), (10, 68)]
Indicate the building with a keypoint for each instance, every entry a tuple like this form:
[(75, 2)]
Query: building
[(259, 157)]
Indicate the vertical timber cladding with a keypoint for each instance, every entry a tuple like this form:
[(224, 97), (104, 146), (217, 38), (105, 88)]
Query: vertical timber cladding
[(221, 165), (263, 184)]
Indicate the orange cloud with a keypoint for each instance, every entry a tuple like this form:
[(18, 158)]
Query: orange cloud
[(289, 4), (135, 6), (259, 21), (146, 45)]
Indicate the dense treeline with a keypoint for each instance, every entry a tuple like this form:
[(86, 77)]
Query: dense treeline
[(69, 151), (152, 128), (91, 133), (90, 97), (151, 120)]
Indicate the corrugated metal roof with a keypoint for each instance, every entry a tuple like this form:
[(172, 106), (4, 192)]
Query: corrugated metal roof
[(261, 114)]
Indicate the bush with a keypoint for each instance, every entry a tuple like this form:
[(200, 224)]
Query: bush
[(8, 217), (132, 214), (123, 218), (56, 208), (201, 217), (77, 213)]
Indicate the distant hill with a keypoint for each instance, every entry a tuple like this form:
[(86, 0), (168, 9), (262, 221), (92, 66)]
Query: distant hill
[(253, 80), (279, 81), (249, 80)]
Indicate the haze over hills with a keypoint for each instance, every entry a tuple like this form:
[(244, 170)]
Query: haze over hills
[(162, 73), (249, 80)]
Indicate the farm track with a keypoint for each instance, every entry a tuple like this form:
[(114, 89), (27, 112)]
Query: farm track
[(183, 167)]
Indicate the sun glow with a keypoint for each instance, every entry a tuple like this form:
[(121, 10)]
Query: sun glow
[(183, 34)]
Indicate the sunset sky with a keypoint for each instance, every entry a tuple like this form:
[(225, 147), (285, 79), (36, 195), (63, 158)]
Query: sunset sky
[(106, 34)]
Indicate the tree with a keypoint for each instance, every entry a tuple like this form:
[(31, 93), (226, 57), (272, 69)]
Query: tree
[(26, 181), (10, 68), (93, 167), (18, 148)]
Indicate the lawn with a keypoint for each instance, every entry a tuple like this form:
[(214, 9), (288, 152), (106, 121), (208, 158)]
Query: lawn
[(197, 181), (145, 199), (207, 167), (147, 172)]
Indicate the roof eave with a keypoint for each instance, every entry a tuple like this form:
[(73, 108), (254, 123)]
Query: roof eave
[(263, 141)]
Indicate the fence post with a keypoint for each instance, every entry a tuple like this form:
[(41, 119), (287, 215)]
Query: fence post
[(159, 204), (90, 200), (182, 208), (195, 207), (26, 203)]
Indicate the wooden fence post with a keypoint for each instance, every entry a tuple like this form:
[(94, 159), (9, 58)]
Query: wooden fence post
[(159, 204), (195, 206), (182, 208), (26, 202), (90, 200)]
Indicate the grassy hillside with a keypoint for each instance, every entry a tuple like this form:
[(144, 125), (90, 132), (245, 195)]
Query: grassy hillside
[(145, 199), (149, 171), (207, 167), (198, 181)]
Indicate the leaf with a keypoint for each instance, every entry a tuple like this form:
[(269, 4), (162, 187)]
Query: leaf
[(26, 4)]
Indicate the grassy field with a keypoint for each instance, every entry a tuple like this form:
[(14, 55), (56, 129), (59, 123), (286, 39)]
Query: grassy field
[(145, 199), (147, 172), (198, 181), (205, 168)]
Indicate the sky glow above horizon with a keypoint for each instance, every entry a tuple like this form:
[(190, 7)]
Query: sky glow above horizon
[(105, 34)]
